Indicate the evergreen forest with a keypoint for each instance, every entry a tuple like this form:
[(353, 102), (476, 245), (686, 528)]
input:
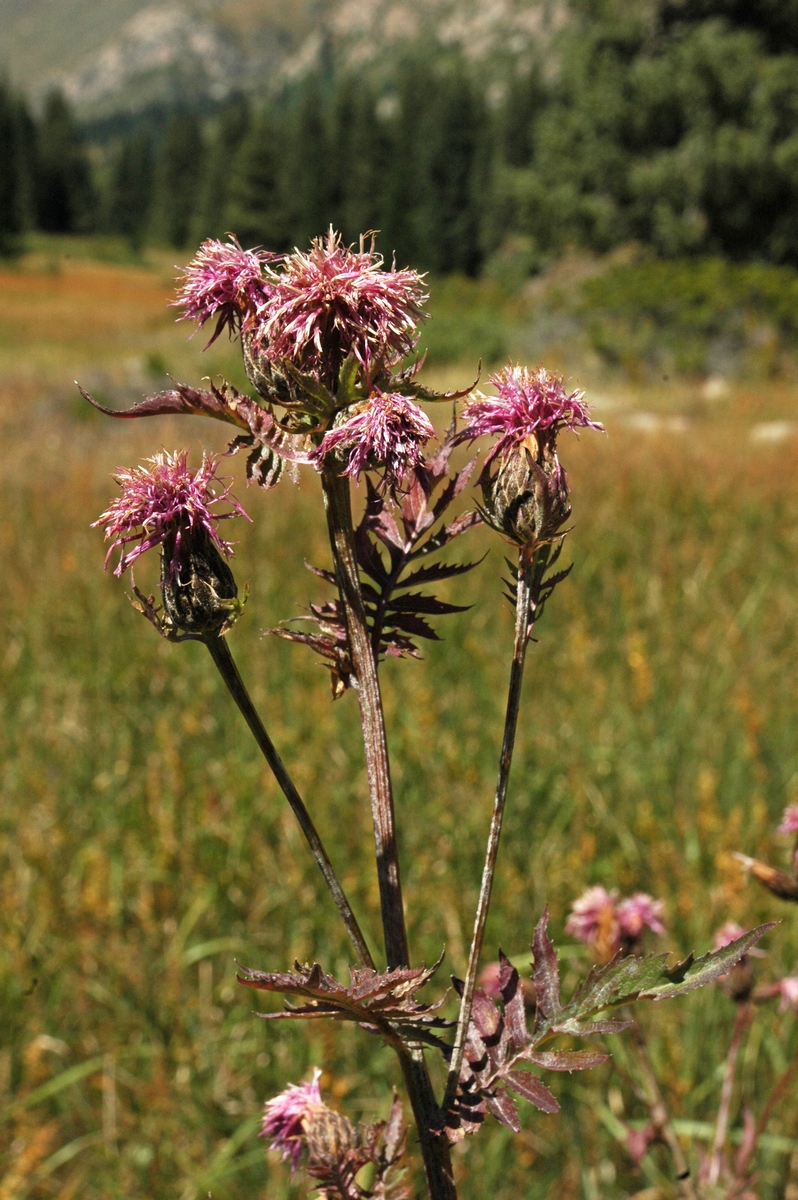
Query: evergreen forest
[(674, 127)]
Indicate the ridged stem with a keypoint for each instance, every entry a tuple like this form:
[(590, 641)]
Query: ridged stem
[(434, 1147), (531, 568)]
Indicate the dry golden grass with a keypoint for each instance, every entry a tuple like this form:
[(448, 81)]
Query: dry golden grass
[(143, 847)]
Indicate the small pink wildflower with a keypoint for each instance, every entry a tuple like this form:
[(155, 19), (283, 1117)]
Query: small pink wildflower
[(334, 301), (224, 280), (594, 917), (640, 912), (788, 988), (789, 820), (386, 433), (526, 403), (284, 1117), (163, 499), (600, 919)]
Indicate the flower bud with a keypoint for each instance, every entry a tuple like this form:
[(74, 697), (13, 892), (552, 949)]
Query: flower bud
[(329, 1137), (200, 596), (525, 492)]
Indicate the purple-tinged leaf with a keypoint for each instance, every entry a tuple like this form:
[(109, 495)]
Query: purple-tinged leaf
[(513, 997), (565, 1060), (626, 980), (485, 1015), (547, 971), (530, 1088), (502, 1107), (180, 400)]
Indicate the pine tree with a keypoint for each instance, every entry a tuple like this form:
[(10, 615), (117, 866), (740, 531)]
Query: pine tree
[(177, 180), (358, 157), (232, 126), (309, 173), (130, 188), (66, 200), (255, 207), (13, 217)]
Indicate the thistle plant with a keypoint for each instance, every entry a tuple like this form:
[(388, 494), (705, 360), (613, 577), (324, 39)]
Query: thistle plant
[(329, 339)]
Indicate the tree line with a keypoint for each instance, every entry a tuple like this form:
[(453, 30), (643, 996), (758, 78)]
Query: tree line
[(676, 127)]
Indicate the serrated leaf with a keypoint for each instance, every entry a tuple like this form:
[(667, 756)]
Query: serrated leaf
[(565, 1060), (530, 1088), (513, 998), (546, 975), (502, 1107), (626, 980)]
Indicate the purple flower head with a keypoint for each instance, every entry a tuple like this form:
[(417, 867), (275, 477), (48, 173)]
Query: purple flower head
[(789, 820), (527, 404), (640, 912), (165, 501), (594, 919), (385, 433), (601, 920), (334, 301), (788, 990), (285, 1117), (225, 281)]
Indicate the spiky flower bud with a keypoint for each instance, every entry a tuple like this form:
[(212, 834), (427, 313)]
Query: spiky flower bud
[(167, 504), (609, 924), (524, 487), (329, 1137), (525, 493), (201, 596)]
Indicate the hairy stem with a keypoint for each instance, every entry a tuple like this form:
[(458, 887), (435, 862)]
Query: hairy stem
[(715, 1162), (339, 520), (531, 568), (221, 655), (434, 1147)]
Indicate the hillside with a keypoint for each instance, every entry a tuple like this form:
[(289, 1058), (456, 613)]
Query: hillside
[(122, 55)]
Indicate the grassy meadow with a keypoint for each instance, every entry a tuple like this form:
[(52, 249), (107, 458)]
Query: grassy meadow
[(144, 848)]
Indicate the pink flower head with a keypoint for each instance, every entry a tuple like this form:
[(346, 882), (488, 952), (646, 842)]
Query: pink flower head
[(527, 403), (594, 918), (788, 989), (166, 498), (335, 301), (224, 280), (284, 1117), (600, 919), (789, 821), (386, 433), (640, 912)]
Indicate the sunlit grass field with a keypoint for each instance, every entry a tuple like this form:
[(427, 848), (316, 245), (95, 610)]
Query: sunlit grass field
[(144, 848)]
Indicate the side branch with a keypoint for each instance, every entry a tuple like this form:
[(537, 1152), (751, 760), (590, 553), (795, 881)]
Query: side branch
[(221, 655), (531, 568)]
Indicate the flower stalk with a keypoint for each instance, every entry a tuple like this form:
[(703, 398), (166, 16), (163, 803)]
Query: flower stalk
[(434, 1148), (225, 663), (532, 565)]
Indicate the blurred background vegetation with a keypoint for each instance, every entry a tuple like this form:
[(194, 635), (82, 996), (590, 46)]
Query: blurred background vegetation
[(624, 210)]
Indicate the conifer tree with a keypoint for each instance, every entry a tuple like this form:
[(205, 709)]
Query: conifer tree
[(177, 180), (359, 155), (13, 191), (307, 164), (66, 200), (230, 129), (130, 188), (255, 206)]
